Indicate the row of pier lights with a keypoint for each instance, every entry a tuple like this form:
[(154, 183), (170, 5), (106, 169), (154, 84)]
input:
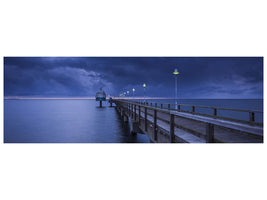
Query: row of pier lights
[(127, 93), (175, 73)]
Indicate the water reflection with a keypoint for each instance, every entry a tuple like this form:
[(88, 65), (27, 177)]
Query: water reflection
[(65, 121)]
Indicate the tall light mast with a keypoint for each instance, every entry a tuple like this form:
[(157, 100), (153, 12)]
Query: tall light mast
[(176, 86), (144, 86)]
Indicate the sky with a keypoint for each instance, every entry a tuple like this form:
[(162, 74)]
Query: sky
[(200, 77)]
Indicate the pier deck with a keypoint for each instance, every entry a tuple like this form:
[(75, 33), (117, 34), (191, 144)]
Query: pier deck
[(170, 125)]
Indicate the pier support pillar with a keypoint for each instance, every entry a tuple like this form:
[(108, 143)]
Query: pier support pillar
[(125, 118), (100, 104), (134, 127), (121, 112)]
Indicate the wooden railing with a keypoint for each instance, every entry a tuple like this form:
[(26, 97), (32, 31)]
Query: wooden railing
[(178, 107), (140, 111)]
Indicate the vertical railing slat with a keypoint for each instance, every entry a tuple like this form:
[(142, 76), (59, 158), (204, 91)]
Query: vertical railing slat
[(145, 118), (209, 133), (215, 112), (134, 112), (171, 128), (139, 115), (251, 117), (155, 125)]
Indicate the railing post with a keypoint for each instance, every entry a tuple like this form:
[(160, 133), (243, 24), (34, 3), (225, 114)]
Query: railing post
[(193, 109), (155, 125), (172, 128), (209, 133), (151, 104), (139, 115), (169, 106), (251, 117), (145, 118), (132, 110), (128, 108), (155, 104), (179, 108), (161, 106), (135, 112), (215, 112)]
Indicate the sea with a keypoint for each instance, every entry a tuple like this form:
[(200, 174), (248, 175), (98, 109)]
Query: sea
[(83, 121)]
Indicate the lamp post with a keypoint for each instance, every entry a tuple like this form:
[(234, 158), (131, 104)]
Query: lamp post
[(176, 87), (144, 86), (133, 91)]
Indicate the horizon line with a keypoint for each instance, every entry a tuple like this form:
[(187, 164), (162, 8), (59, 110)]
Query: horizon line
[(114, 97)]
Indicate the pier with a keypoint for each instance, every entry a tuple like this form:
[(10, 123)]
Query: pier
[(169, 123)]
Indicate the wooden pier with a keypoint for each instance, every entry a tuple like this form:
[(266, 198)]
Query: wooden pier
[(169, 123)]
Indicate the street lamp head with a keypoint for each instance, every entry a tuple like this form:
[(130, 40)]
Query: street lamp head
[(127, 92), (133, 89), (144, 85), (176, 72), (124, 93)]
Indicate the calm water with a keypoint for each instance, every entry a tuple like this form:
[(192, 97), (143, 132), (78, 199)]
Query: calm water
[(82, 121), (70, 121)]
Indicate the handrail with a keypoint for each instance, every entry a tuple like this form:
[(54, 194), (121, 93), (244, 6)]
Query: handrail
[(215, 109), (196, 106), (199, 106), (167, 110)]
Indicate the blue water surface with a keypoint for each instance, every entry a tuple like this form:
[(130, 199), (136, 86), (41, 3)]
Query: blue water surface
[(82, 121), (64, 121)]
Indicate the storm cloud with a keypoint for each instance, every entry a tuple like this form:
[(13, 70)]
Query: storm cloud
[(200, 77)]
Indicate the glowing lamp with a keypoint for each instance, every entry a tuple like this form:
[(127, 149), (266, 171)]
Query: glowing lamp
[(176, 72)]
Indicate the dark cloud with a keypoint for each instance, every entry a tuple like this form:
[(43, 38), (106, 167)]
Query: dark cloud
[(200, 77)]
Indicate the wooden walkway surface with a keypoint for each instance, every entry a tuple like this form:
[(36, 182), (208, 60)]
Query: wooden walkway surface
[(194, 131)]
